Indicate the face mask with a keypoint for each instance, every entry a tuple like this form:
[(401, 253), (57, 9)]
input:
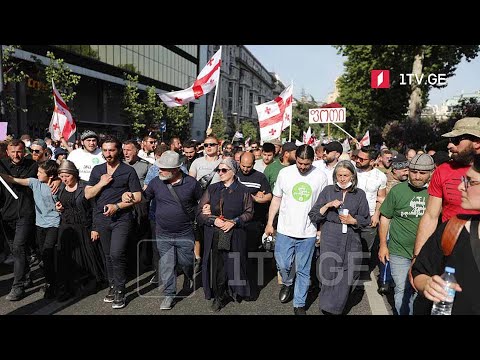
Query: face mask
[(27, 143), (346, 185)]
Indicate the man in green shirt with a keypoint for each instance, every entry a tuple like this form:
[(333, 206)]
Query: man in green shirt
[(401, 212), (287, 157)]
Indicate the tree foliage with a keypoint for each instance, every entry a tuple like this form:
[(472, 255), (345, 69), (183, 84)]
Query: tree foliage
[(366, 106), (133, 108), (178, 122), (250, 130), (12, 74), (218, 124)]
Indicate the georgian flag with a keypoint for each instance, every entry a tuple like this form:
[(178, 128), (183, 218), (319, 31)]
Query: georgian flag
[(276, 115), (366, 139), (62, 123), (205, 82)]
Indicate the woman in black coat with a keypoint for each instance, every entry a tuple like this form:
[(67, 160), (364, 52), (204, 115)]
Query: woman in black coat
[(225, 243), (80, 258)]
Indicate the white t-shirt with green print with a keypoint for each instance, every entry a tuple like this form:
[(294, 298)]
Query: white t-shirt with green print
[(299, 192)]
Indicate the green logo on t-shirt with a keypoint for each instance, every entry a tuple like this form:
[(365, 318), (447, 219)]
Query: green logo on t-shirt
[(302, 192), (95, 161)]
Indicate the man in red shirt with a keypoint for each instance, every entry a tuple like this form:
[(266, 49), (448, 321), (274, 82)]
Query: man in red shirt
[(445, 198)]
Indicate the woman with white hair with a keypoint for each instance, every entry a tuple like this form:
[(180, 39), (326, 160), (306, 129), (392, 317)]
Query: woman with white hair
[(225, 244), (340, 244)]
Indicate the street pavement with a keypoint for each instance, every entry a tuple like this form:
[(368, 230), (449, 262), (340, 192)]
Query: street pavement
[(144, 298)]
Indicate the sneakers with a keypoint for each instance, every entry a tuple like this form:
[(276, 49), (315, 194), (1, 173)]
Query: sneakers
[(119, 301), (299, 310), (154, 279), (167, 303), (15, 294), (110, 297), (49, 291)]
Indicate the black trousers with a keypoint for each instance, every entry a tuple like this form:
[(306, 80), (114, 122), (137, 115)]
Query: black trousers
[(18, 232), (218, 272), (47, 238), (114, 238)]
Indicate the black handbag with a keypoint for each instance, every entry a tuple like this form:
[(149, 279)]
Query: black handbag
[(224, 239)]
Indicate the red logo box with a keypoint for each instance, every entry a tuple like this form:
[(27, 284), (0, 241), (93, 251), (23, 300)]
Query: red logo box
[(380, 79)]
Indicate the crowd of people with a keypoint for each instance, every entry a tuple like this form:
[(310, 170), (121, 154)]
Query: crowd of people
[(103, 210)]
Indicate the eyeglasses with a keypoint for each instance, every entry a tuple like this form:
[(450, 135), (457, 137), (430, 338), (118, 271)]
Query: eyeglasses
[(152, 142), (209, 144), (362, 159), (456, 140), (36, 151), (223, 171), (469, 182)]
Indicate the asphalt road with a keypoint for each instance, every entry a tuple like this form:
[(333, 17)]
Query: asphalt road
[(144, 298)]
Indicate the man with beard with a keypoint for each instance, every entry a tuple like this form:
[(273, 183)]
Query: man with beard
[(296, 190), (112, 216), (190, 152), (286, 158), (88, 157), (445, 198), (331, 153)]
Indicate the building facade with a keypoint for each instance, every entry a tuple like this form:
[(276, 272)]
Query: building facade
[(98, 104)]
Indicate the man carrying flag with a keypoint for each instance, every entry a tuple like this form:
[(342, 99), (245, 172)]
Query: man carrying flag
[(205, 82), (62, 123)]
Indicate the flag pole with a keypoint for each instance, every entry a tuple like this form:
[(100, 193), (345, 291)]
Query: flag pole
[(342, 130), (214, 97), (8, 188), (291, 120)]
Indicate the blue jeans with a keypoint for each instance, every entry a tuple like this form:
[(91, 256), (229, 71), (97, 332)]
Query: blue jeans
[(288, 250), (174, 250), (404, 294)]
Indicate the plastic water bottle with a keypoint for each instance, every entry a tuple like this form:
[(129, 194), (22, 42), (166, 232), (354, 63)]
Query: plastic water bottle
[(445, 307), (344, 226)]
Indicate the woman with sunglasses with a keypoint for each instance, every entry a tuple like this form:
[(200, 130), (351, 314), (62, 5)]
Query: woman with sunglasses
[(224, 263), (465, 255)]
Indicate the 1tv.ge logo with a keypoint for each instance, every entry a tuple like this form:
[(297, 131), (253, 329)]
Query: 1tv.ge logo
[(380, 79)]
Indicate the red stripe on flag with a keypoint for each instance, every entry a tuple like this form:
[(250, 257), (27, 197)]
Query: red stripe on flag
[(197, 85)]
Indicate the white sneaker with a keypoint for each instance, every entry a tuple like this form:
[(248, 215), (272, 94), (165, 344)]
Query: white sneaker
[(167, 303)]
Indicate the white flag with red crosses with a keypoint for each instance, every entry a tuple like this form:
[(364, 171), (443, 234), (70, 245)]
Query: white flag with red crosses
[(366, 139), (62, 123), (205, 82), (276, 115)]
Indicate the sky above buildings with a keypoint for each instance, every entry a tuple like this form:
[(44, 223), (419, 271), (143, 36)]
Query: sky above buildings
[(315, 68)]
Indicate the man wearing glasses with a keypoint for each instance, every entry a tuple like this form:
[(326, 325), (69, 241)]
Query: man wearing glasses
[(445, 198), (39, 151), (205, 167), (331, 153), (149, 144)]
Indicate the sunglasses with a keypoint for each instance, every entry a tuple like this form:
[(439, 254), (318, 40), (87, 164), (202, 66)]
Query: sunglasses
[(37, 151), (223, 171), (210, 144), (362, 159), (467, 182), (456, 140), (152, 142)]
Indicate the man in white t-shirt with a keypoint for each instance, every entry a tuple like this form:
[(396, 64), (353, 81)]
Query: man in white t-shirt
[(89, 156), (374, 183), (296, 190)]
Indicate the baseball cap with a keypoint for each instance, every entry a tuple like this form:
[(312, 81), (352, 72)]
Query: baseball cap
[(422, 162), (289, 146), (399, 161), (468, 125), (333, 146), (39, 142), (88, 134), (276, 142)]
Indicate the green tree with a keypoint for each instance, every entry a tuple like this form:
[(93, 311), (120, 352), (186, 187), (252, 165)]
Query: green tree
[(133, 108), (153, 109), (366, 106), (65, 83), (178, 122), (12, 74), (250, 130), (218, 124)]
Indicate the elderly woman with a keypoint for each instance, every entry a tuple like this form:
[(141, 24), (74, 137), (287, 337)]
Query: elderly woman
[(225, 245), (464, 257), (80, 258), (340, 245)]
